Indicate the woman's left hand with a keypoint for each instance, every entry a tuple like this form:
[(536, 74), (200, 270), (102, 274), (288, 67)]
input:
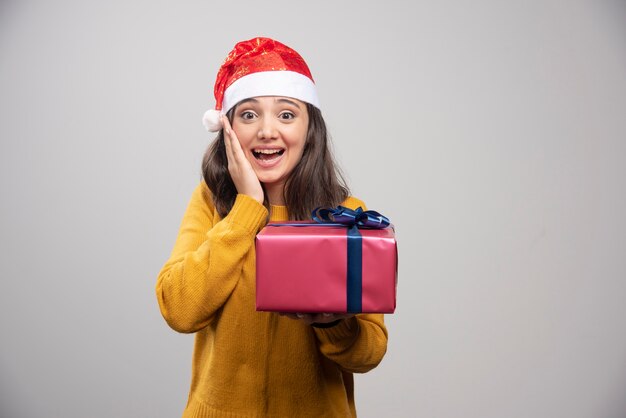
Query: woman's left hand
[(319, 318)]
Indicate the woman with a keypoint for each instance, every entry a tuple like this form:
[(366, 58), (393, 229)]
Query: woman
[(270, 161)]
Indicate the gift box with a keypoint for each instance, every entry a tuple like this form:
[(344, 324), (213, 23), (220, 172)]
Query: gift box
[(310, 267)]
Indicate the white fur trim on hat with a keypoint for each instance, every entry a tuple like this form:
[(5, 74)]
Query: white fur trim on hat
[(271, 83)]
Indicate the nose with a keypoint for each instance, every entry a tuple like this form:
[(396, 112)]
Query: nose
[(267, 130)]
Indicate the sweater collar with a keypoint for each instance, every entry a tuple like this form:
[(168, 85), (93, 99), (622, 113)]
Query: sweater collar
[(278, 213)]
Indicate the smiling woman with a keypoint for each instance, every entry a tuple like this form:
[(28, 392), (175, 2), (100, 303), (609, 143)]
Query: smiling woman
[(310, 180), (269, 162)]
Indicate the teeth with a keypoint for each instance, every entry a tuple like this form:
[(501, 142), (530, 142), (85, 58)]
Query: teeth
[(267, 151)]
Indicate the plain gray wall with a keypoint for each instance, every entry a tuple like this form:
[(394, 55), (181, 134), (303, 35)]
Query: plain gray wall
[(492, 133)]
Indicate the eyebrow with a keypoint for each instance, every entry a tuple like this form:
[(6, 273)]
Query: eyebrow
[(253, 100), (289, 102)]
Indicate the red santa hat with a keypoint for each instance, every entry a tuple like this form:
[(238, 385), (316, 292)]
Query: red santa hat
[(259, 67)]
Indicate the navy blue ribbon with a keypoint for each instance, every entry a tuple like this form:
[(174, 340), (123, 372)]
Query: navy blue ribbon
[(354, 279), (349, 217), (353, 219)]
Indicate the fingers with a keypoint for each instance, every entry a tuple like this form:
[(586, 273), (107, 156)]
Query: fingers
[(239, 167), (308, 318), (289, 315), (234, 153), (319, 318), (230, 142), (330, 317)]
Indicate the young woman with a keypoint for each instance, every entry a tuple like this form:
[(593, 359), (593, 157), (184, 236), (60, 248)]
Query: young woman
[(269, 162)]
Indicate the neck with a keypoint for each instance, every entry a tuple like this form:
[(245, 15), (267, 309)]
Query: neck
[(275, 194)]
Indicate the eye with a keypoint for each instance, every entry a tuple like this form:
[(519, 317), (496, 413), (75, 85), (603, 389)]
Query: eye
[(247, 115), (287, 115)]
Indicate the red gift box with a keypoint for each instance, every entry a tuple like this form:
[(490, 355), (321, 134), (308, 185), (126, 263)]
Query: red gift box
[(311, 267)]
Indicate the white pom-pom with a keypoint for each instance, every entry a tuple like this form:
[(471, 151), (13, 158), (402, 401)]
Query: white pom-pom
[(212, 120)]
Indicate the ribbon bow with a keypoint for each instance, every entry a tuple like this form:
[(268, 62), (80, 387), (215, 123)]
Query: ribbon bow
[(348, 217)]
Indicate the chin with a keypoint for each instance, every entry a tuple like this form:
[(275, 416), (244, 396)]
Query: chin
[(269, 182), (272, 181), (269, 178)]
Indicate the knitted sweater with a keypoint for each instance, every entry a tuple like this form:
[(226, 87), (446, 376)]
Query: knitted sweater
[(248, 363)]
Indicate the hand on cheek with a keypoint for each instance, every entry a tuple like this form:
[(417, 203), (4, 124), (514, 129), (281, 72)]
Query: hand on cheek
[(239, 167)]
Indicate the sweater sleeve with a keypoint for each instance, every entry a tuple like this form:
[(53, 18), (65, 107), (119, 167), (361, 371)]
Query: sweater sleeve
[(206, 262), (357, 344)]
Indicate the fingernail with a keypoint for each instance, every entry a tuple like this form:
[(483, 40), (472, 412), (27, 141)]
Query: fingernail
[(299, 315), (327, 314)]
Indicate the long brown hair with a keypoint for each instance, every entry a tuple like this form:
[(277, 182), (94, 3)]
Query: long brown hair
[(315, 180)]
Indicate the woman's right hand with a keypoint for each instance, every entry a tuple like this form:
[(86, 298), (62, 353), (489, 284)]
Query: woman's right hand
[(239, 167)]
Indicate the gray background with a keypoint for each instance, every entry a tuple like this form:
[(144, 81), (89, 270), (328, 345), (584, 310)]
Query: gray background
[(492, 133)]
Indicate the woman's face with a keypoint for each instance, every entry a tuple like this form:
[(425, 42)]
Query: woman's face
[(272, 132)]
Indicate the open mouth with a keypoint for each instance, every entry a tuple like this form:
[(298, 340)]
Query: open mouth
[(267, 154)]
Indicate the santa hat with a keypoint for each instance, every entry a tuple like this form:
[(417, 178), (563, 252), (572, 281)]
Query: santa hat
[(259, 67)]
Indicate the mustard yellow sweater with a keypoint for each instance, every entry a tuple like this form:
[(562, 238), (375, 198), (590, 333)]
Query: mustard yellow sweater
[(248, 363)]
